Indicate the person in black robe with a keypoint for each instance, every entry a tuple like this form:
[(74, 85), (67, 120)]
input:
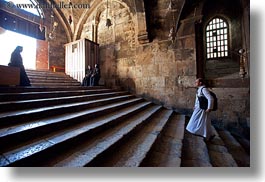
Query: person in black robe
[(87, 79), (16, 61), (95, 76)]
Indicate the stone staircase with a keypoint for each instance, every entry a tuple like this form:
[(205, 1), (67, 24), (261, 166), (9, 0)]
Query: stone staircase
[(50, 79), (73, 126), (223, 151)]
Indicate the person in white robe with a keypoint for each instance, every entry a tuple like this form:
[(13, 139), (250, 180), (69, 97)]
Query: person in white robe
[(200, 123)]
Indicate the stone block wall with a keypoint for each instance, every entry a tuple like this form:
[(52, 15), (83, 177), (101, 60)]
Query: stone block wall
[(159, 69), (165, 72), (42, 55), (56, 48)]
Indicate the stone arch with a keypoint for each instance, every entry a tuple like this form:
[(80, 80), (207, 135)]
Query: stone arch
[(140, 21), (85, 15), (119, 14)]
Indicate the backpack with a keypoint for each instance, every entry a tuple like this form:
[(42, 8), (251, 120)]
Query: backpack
[(204, 102)]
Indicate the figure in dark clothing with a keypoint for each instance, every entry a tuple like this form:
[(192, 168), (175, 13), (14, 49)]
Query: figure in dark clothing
[(95, 76), (87, 78), (16, 61)]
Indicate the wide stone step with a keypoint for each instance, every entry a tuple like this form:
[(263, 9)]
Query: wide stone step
[(41, 150), (132, 150), (218, 153), (47, 76), (57, 122), (54, 81), (50, 79), (9, 135), (167, 150), (93, 147), (18, 117), (19, 89), (37, 103), (194, 151), (56, 84), (222, 151), (235, 149), (43, 94), (45, 73)]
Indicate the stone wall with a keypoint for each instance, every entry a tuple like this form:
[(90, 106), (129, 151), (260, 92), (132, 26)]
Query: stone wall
[(164, 72), (42, 61), (56, 47), (151, 65), (159, 71)]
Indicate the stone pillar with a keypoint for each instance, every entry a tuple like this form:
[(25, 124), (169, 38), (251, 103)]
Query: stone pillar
[(142, 29), (142, 33), (95, 31)]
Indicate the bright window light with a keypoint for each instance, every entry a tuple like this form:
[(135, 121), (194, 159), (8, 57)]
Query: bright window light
[(217, 39), (26, 5), (10, 40)]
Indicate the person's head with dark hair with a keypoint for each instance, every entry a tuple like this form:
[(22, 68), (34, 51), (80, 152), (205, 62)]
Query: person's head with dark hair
[(16, 59), (18, 49), (199, 82)]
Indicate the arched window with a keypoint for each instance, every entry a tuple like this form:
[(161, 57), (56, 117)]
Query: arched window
[(217, 39)]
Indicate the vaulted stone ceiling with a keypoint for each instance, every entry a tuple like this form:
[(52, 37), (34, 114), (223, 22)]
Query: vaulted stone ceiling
[(70, 17), (75, 14), (87, 11)]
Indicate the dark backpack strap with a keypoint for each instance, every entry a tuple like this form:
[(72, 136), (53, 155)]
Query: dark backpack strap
[(202, 92)]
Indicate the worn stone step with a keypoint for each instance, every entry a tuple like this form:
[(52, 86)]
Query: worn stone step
[(131, 151), (49, 76), (65, 141), (46, 73), (16, 117), (53, 81), (194, 151), (18, 89), (166, 152), (5, 97), (218, 153), (245, 143), (86, 151), (50, 79), (37, 103), (235, 149), (20, 133), (55, 84)]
